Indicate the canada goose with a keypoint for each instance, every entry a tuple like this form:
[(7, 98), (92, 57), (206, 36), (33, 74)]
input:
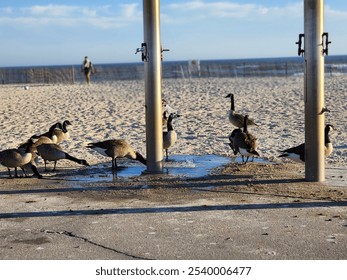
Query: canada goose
[(253, 142), (297, 153), (169, 136), (231, 139), (34, 159), (116, 148), (14, 158), (58, 132), (328, 146), (63, 133), (169, 110), (53, 152), (243, 142), (48, 137), (236, 119)]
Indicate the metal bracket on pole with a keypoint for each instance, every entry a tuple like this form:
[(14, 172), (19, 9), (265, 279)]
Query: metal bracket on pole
[(325, 42), (301, 49), (163, 50), (143, 50)]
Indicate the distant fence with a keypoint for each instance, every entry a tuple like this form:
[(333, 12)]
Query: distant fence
[(68, 74), (180, 69), (37, 75)]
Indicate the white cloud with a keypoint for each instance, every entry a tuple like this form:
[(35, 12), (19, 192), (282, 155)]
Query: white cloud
[(335, 14), (131, 11), (6, 10), (87, 12), (49, 10), (103, 22), (204, 9), (105, 17), (224, 9), (229, 9)]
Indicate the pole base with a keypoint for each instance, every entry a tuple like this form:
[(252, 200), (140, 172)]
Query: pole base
[(148, 172)]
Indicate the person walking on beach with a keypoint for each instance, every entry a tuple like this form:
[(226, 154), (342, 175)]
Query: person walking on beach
[(87, 68)]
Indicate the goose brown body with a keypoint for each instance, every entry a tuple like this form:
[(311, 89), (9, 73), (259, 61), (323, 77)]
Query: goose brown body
[(53, 152), (169, 136), (297, 153), (235, 118), (243, 142), (14, 158), (116, 148)]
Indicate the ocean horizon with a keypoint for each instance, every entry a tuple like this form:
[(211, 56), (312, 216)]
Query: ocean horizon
[(233, 68)]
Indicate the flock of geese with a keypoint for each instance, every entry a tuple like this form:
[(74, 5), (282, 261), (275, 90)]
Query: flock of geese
[(244, 143), (47, 146)]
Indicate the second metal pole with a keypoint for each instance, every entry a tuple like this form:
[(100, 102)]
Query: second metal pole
[(152, 64), (314, 91)]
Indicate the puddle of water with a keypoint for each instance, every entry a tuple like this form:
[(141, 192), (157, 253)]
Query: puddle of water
[(190, 166), (193, 166), (178, 165)]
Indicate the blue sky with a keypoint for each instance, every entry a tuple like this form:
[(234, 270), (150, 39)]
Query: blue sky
[(47, 32)]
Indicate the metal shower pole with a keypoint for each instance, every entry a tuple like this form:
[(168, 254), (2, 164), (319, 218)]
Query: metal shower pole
[(151, 55), (314, 90)]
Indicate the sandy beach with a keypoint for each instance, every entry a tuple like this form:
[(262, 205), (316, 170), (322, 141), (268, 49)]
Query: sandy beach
[(284, 216), (116, 110)]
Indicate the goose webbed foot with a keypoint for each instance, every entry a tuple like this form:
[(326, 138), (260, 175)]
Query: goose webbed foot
[(245, 162), (166, 155), (16, 175), (114, 174), (36, 172), (9, 174)]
